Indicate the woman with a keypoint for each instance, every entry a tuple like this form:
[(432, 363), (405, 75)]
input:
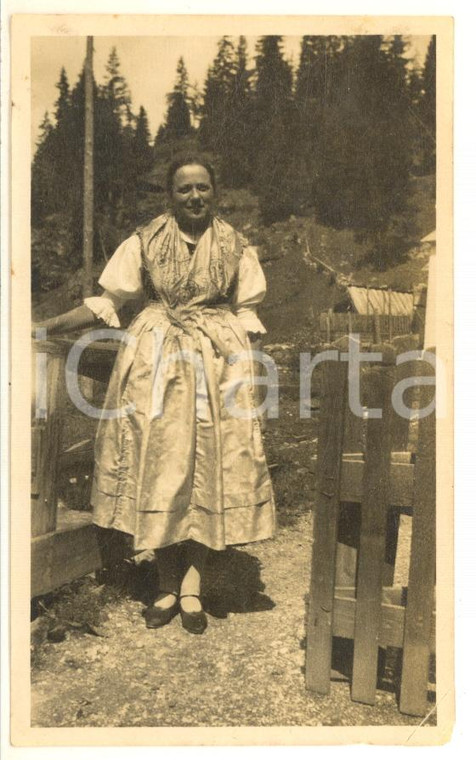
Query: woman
[(183, 468)]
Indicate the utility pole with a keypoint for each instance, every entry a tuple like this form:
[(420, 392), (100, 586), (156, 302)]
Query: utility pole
[(88, 213)]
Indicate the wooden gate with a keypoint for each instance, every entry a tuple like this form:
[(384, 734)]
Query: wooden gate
[(369, 472)]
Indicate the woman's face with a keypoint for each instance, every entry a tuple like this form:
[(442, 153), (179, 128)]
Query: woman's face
[(192, 197)]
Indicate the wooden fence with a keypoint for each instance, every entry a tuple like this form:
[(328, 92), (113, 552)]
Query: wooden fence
[(65, 545), (372, 328), (369, 472)]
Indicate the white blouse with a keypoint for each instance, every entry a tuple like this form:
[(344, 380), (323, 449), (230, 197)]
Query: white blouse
[(122, 282)]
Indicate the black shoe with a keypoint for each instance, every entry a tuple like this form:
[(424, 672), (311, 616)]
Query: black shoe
[(156, 617), (193, 622)]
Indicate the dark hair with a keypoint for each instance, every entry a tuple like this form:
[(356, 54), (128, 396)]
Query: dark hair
[(188, 161)]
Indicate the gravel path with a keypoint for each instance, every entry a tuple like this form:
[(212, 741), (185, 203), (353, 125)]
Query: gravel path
[(247, 670)]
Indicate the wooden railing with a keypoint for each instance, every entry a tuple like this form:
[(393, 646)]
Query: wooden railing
[(369, 472)]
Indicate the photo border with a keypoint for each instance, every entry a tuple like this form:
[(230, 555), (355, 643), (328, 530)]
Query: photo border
[(23, 28)]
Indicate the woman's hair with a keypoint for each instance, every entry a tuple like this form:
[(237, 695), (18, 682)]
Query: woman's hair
[(188, 161)]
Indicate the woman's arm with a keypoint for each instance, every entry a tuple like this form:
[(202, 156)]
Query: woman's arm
[(76, 319), (121, 280)]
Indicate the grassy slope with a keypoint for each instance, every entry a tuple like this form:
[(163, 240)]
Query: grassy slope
[(297, 290)]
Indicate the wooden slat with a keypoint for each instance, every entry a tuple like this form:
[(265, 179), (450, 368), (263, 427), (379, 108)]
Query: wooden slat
[(355, 432), (46, 444), (64, 555), (392, 622), (375, 500), (416, 647), (340, 324), (401, 482), (391, 545), (331, 430), (330, 326), (97, 359), (377, 328), (405, 370), (37, 434), (348, 543)]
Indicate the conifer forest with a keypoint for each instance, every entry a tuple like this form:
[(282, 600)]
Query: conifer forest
[(342, 137)]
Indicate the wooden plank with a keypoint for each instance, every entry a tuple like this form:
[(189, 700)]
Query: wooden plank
[(401, 482), (391, 633), (323, 326), (340, 324), (391, 545), (394, 595), (355, 432), (321, 595), (377, 329), (403, 371), (88, 171), (97, 359), (330, 323), (348, 533), (375, 501), (64, 555), (416, 647), (348, 539), (46, 444), (37, 433)]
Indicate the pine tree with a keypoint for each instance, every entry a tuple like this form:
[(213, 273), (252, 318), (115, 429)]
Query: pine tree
[(63, 103), (236, 164), (272, 123), (312, 70), (195, 105), (141, 148), (273, 88), (177, 122), (313, 96), (216, 112), (116, 89), (45, 130), (51, 185), (42, 180), (427, 109), (365, 174), (114, 138)]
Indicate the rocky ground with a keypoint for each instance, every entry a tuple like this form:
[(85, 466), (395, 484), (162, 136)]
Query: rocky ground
[(246, 670)]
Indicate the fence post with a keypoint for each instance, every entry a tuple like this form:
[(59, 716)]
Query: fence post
[(421, 582), (321, 595), (375, 503), (46, 438)]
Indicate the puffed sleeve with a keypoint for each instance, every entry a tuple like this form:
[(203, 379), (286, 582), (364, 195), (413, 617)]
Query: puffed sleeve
[(121, 280), (250, 291)]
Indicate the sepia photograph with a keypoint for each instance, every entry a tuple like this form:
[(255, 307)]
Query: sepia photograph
[(233, 310)]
